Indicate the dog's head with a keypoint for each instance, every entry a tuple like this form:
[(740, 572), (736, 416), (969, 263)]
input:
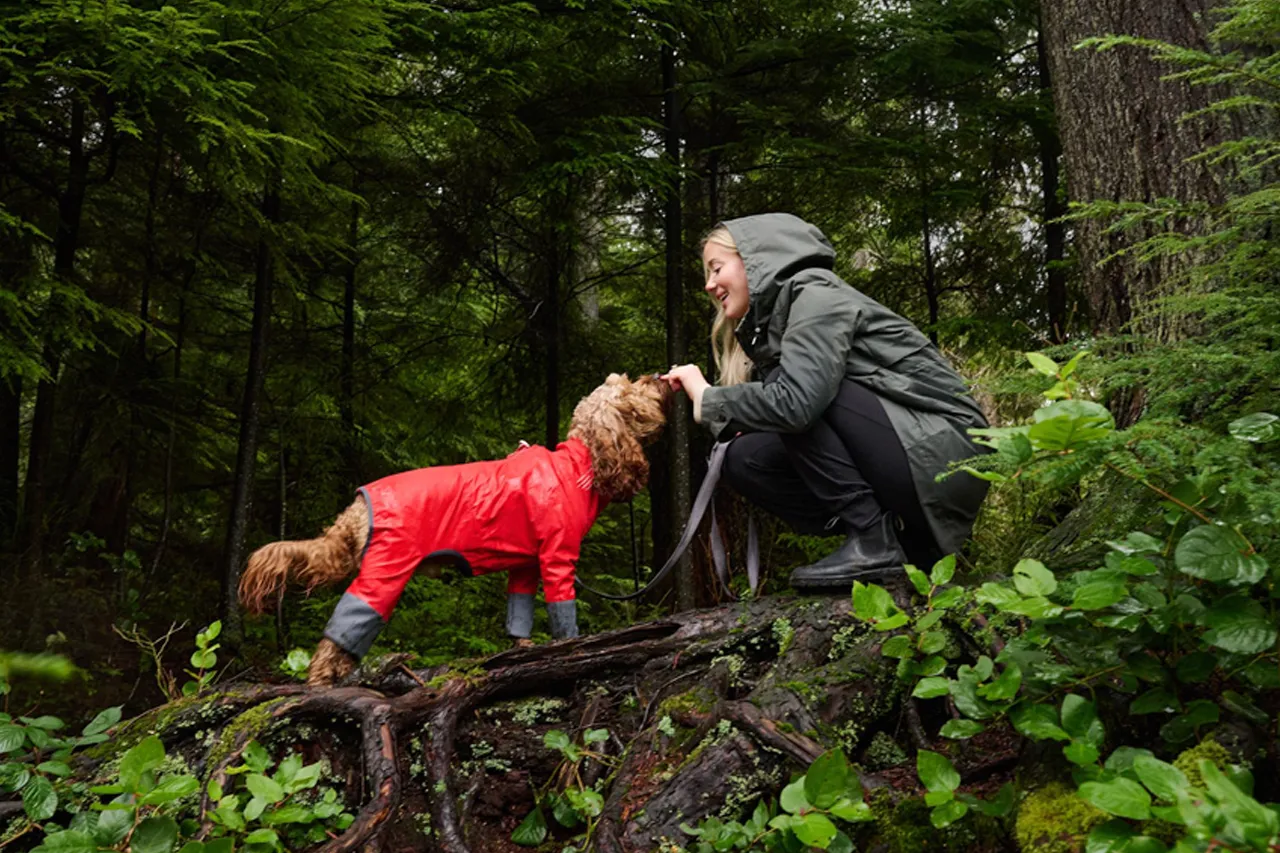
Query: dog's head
[(615, 421)]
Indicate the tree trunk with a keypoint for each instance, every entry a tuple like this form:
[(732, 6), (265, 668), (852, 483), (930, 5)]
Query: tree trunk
[(678, 423), (10, 444), (1122, 141), (551, 338), (706, 712), (250, 413), (1055, 232)]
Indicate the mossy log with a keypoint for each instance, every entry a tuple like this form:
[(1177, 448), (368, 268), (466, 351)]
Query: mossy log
[(707, 712)]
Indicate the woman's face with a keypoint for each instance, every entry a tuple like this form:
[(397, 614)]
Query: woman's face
[(726, 279)]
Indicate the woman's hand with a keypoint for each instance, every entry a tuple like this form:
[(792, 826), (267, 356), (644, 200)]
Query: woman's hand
[(689, 378)]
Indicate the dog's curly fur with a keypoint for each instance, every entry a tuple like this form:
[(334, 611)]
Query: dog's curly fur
[(614, 421)]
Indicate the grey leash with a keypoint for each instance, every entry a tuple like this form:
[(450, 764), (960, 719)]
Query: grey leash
[(718, 557)]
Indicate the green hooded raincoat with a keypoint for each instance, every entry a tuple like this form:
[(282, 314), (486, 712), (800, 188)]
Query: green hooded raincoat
[(820, 331)]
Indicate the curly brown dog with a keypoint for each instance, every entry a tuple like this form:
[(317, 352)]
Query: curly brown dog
[(525, 515)]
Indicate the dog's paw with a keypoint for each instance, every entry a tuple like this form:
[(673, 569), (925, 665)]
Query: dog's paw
[(522, 643)]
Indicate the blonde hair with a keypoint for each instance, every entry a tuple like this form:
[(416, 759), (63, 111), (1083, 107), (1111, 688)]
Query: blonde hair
[(732, 365)]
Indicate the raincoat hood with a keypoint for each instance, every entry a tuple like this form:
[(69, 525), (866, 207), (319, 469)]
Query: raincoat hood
[(774, 247)]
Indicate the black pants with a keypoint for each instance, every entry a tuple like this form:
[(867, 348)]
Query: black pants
[(841, 475)]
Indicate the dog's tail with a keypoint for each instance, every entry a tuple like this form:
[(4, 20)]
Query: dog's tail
[(326, 559)]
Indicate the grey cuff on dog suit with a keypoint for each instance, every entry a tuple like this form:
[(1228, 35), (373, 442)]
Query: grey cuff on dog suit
[(520, 614), (354, 625), (564, 618)]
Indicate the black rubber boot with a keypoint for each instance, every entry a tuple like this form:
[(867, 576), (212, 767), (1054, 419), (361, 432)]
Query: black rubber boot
[(867, 555)]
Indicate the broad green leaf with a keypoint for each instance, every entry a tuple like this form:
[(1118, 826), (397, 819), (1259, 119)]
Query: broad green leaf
[(595, 736), (1137, 542), (873, 603), (918, 579), (1239, 624), (54, 768), (815, 829), (1080, 719), (1038, 722), (67, 841), (586, 801), (254, 808), (793, 799), (1256, 819), (154, 835), (852, 811), (1037, 607), (212, 632), (214, 789), (1121, 797), (39, 800), (932, 641), (1081, 753), (841, 844), (997, 594), (1095, 596), (556, 739), (892, 623), (827, 779), (1005, 686), (1033, 579), (256, 757), (147, 755), (224, 845), (930, 688), (262, 836), (943, 570), (1239, 704), (1067, 433), (1157, 701), (936, 771), (264, 788), (1196, 667), (290, 813), (897, 647), (47, 723), (11, 738), (1258, 427), (1162, 779), (948, 598), (1122, 759), (1213, 553), (928, 620), (1043, 364), (105, 720), (114, 825), (1110, 837), (173, 788), (960, 729), (948, 813)]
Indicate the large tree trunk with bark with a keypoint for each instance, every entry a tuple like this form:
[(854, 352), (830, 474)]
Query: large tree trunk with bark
[(706, 712), (1123, 140)]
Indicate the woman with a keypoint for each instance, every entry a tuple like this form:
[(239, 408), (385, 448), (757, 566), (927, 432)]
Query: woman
[(844, 412)]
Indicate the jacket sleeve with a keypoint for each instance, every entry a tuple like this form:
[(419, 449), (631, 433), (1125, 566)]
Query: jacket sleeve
[(819, 333)]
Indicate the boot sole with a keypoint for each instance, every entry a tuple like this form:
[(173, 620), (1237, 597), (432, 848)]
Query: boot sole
[(865, 575)]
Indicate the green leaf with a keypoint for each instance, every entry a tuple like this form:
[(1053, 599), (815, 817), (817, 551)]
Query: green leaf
[(1038, 722), (932, 665), (1137, 543), (1239, 704), (928, 620), (254, 808), (1032, 578), (793, 799), (997, 595), (39, 800), (1081, 753), (1034, 608), (1258, 427), (47, 723), (586, 801), (146, 755), (948, 598), (1110, 837), (943, 570), (105, 720), (114, 825), (1095, 596), (564, 812), (556, 739), (936, 771), (1157, 701), (1080, 719), (931, 688), (1239, 624), (948, 813), (1121, 797), (918, 579), (932, 641), (595, 736), (1162, 779), (214, 789), (67, 841), (173, 788), (256, 757), (827, 779), (960, 729), (222, 845), (212, 632), (897, 647), (841, 844), (1122, 759), (1043, 364), (1005, 686), (264, 788), (892, 623), (1067, 433), (815, 829), (54, 768), (1196, 667), (873, 603), (1256, 819), (11, 738), (290, 813), (154, 835), (262, 836), (853, 811), (1213, 553)]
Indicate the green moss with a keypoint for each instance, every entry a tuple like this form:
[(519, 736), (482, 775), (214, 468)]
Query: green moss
[(698, 701), (253, 722), (905, 827), (783, 634), (1188, 761), (1055, 820), (883, 751)]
